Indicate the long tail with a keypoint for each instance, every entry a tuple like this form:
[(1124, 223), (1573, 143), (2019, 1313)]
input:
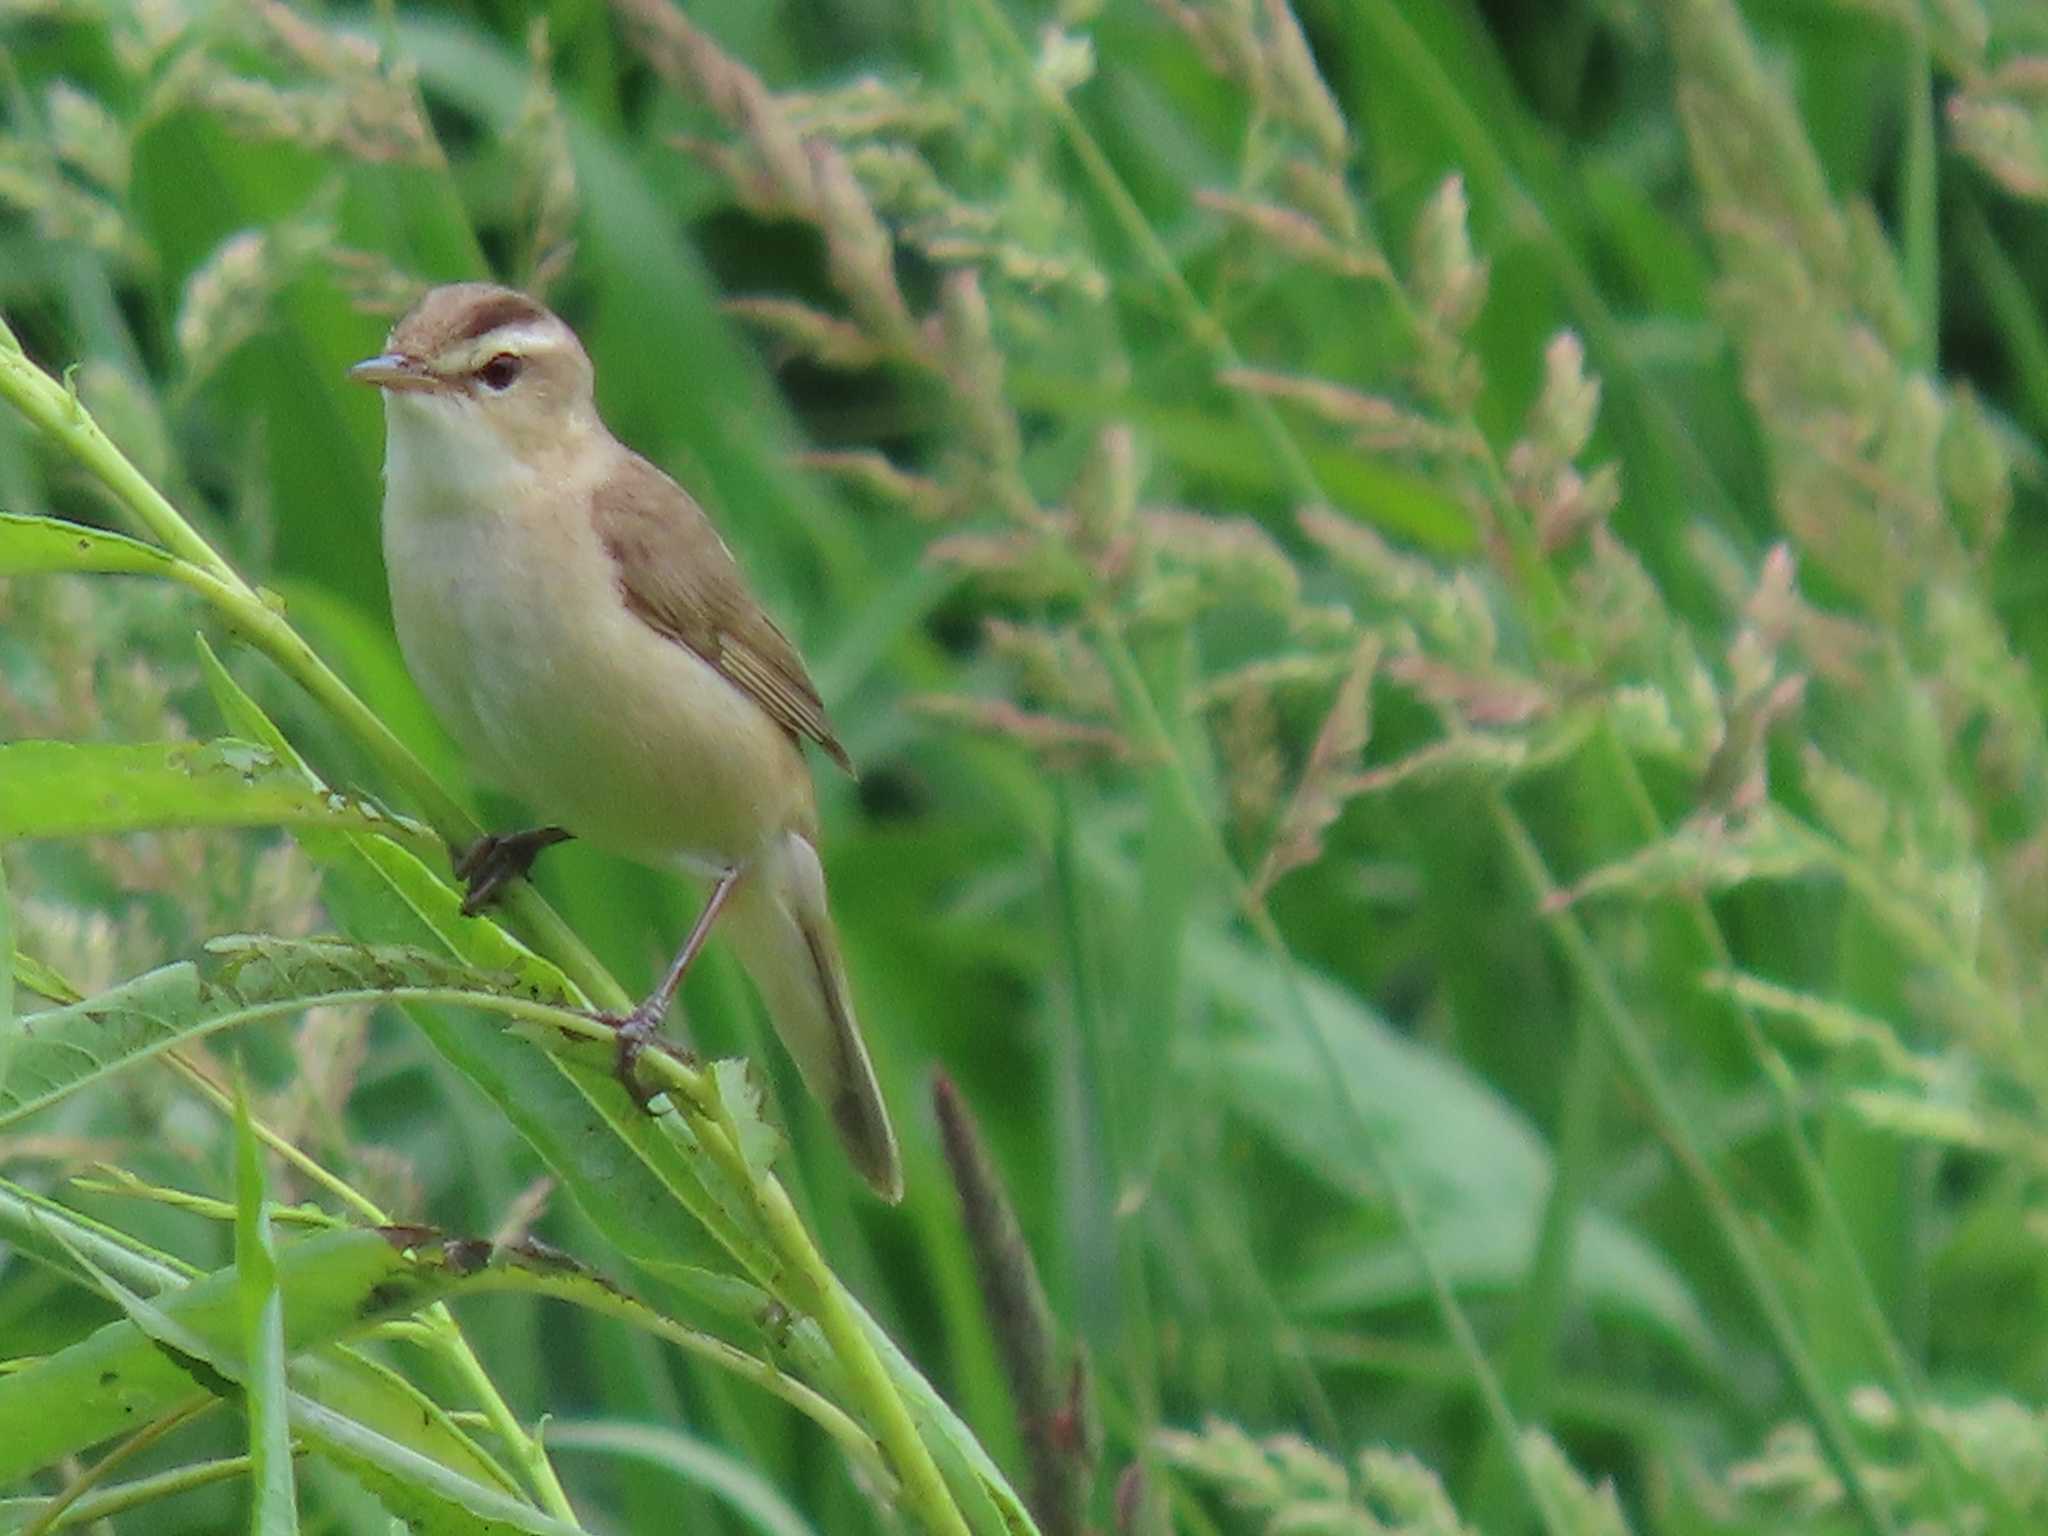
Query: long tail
[(777, 920)]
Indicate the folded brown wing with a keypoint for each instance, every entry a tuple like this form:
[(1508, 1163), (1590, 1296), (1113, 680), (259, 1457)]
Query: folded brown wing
[(678, 576)]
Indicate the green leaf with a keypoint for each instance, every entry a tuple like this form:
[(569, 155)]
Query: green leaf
[(741, 1096), (273, 1497), (39, 1228), (693, 1461), (91, 1040), (378, 1398), (187, 1341), (429, 1498), (123, 1375), (34, 545), (64, 789), (985, 1496), (10, 1029), (30, 974), (260, 967), (533, 1268), (1479, 1170)]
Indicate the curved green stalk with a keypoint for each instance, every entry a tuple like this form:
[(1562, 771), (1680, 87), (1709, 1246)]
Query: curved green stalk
[(105, 1503), (61, 417), (439, 1325), (1553, 614), (58, 413)]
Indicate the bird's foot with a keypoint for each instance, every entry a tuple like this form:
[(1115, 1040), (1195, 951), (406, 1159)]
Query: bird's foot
[(634, 1034), (493, 862)]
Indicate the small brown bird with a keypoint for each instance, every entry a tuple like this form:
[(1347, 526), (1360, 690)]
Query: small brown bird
[(577, 622)]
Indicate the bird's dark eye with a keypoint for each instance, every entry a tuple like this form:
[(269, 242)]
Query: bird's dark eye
[(500, 371)]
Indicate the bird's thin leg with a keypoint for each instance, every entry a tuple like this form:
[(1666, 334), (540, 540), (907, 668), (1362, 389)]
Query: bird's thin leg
[(494, 861), (642, 1027)]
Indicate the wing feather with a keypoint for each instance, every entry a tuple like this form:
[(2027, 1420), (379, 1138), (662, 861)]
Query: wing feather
[(679, 577)]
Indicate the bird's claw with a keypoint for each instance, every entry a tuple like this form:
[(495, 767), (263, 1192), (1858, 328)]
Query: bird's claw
[(494, 861), (634, 1034)]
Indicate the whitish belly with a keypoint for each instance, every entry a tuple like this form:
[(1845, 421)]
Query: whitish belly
[(562, 696)]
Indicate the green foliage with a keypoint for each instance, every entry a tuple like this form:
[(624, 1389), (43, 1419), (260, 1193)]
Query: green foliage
[(1438, 607)]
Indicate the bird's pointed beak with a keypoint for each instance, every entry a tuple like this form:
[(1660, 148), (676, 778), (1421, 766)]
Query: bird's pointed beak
[(394, 370)]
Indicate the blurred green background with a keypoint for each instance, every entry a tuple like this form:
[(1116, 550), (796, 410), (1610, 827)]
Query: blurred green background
[(1803, 245)]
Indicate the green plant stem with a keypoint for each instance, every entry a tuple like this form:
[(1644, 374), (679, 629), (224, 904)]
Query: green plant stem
[(1541, 584), (1920, 196), (2020, 326), (1157, 742), (1483, 159), (105, 1503), (57, 412), (1633, 1046), (821, 1294), (813, 1405), (439, 1326), (63, 419), (50, 1514), (1546, 1292)]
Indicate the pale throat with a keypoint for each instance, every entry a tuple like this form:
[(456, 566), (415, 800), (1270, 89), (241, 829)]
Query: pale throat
[(449, 454)]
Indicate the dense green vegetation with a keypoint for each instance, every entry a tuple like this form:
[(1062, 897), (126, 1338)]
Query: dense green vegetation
[(1437, 604)]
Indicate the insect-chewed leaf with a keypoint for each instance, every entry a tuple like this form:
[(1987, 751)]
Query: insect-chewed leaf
[(741, 1096), (260, 968), (253, 978), (337, 1284), (68, 1047), (425, 1495), (67, 789)]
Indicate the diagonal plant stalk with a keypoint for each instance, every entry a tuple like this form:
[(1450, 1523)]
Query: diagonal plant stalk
[(442, 1332), (739, 97), (51, 1515), (1214, 337), (58, 413), (1485, 159), (90, 1508), (1157, 742), (1668, 1115), (1650, 1080), (434, 1329)]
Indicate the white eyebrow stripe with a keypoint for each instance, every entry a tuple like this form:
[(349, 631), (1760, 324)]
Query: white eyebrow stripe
[(521, 336)]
